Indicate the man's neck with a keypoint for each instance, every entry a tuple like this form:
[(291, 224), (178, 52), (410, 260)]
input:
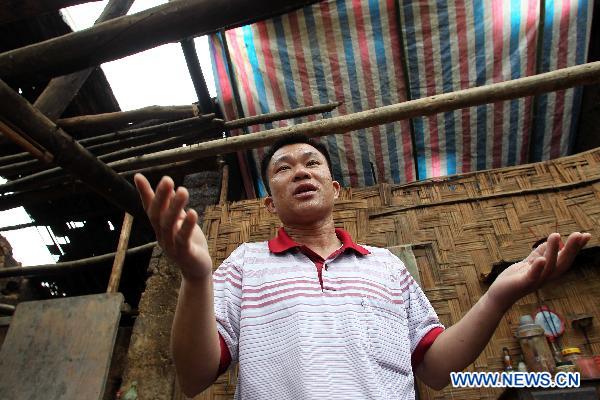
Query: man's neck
[(319, 237)]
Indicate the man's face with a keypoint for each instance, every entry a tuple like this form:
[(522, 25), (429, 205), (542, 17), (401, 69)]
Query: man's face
[(302, 190)]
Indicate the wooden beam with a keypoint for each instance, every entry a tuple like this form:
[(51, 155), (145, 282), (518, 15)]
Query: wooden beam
[(182, 115), (20, 138), (14, 10), (57, 174), (522, 87), (191, 59), (280, 115), (59, 93), (108, 122), (117, 268), (67, 153), (51, 269), (131, 34)]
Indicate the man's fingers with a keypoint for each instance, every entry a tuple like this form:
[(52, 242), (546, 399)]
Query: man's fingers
[(575, 242), (536, 269), (164, 193), (144, 189), (170, 217), (551, 254), (183, 236)]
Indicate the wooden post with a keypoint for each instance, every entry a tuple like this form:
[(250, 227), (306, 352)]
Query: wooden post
[(59, 93), (67, 153), (224, 180), (115, 275), (131, 34), (522, 87)]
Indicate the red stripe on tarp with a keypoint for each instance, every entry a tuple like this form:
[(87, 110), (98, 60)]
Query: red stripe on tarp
[(224, 81), (498, 117), (263, 35), (338, 86), (243, 78), (561, 62), (531, 40), (300, 61), (409, 166), (463, 57), (431, 88), (368, 81)]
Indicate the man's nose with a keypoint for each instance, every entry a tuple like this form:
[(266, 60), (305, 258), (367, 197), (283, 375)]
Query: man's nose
[(301, 173)]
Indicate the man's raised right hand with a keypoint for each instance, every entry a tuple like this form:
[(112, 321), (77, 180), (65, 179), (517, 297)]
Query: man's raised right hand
[(176, 229)]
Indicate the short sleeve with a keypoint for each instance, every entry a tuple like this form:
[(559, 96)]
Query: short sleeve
[(227, 282), (423, 323)]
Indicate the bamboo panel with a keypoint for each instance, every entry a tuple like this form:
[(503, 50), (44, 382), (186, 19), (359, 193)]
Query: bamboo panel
[(459, 227)]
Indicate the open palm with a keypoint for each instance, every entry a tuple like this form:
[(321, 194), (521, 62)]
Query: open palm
[(548, 261)]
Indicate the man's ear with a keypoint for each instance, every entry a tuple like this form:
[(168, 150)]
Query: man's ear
[(336, 187), (270, 205)]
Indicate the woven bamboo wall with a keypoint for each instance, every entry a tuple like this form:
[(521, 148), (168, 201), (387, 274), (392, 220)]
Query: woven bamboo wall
[(460, 227)]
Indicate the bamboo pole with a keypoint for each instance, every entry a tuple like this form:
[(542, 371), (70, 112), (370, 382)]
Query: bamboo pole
[(182, 114), (131, 34), (522, 87), (14, 10), (59, 93), (67, 153), (117, 268), (121, 119), (224, 181), (193, 64), (51, 269), (26, 142), (55, 175)]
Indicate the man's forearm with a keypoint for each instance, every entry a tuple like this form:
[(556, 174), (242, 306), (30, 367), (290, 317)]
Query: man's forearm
[(194, 337), (459, 345)]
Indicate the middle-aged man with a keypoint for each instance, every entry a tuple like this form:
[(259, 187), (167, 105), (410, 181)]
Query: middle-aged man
[(310, 314)]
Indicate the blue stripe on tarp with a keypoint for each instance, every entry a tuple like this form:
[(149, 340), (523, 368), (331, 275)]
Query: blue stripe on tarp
[(480, 53), (542, 109), (354, 88), (282, 51), (259, 83), (384, 87), (446, 61), (413, 82), (315, 53), (582, 26), (515, 72)]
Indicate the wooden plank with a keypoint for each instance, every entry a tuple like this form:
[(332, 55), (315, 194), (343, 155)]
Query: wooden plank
[(60, 348)]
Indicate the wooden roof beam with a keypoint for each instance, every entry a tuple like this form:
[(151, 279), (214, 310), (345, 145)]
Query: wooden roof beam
[(131, 34), (67, 153)]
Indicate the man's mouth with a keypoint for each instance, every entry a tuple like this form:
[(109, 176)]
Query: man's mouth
[(305, 189)]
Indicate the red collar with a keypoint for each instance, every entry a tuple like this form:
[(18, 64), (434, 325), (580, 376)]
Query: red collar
[(282, 242)]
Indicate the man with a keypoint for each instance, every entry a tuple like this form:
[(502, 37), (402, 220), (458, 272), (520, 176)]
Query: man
[(310, 313)]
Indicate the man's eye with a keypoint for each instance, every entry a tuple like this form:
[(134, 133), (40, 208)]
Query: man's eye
[(281, 168), (313, 162)]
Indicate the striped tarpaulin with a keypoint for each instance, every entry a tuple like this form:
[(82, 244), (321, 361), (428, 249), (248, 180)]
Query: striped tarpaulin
[(356, 51)]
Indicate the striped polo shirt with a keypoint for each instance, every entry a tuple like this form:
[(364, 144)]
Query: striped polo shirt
[(351, 326)]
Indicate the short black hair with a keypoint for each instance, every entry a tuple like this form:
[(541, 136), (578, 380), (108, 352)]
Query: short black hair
[(285, 141)]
